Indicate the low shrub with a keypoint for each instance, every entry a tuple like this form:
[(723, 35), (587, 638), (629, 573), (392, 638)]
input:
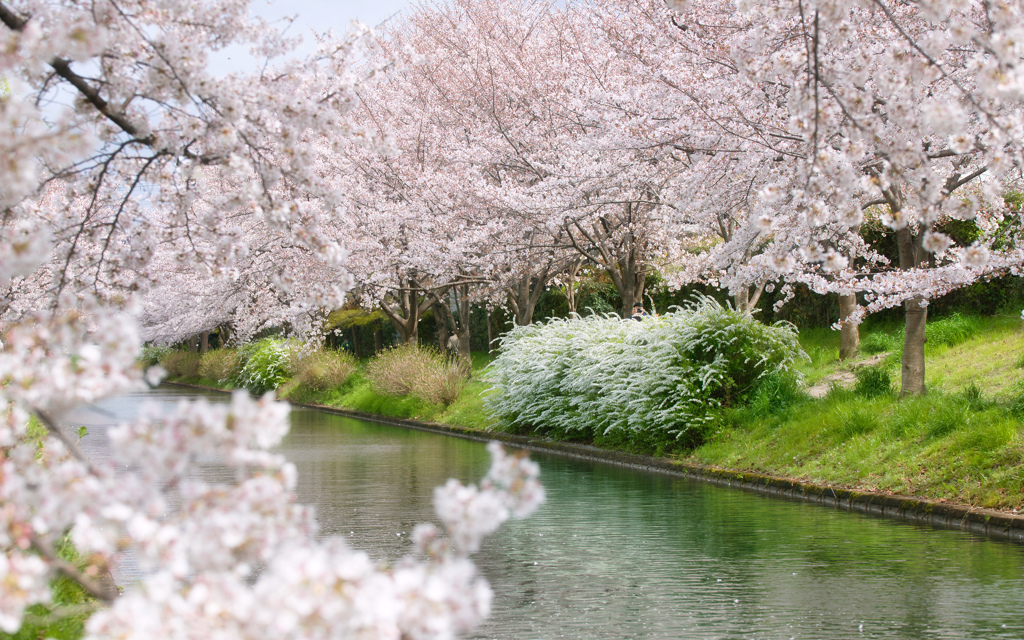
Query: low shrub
[(879, 342), (322, 370), (873, 382), (181, 363), (589, 377), (421, 372), (441, 380), (261, 366), (219, 364), (169, 361), (952, 330), (774, 395), (392, 372), (153, 354)]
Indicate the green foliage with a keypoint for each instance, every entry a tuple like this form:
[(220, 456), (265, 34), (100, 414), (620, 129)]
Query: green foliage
[(880, 342), (600, 378), (263, 366), (152, 355), (946, 332), (873, 382), (774, 395), (952, 330)]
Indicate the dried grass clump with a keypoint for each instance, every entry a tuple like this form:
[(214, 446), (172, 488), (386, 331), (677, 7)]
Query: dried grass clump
[(393, 372), (323, 370), (442, 381), (418, 371), (181, 363), (218, 364)]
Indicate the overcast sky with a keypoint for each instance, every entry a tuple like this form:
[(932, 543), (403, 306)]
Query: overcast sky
[(312, 15)]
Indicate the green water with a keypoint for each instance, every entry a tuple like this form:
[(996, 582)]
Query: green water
[(618, 553)]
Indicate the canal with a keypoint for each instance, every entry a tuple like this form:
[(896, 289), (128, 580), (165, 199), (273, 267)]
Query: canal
[(618, 553)]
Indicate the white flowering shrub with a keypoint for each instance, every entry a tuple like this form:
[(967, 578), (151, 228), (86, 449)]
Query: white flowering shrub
[(262, 366), (643, 383)]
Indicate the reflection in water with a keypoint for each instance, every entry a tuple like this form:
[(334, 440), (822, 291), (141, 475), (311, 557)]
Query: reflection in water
[(617, 553)]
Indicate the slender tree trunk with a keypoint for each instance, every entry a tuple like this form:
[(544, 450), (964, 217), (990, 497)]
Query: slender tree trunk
[(916, 310), (849, 332), (355, 342), (223, 335), (490, 331), (441, 319), (745, 301), (741, 300), (377, 340), (570, 286), (192, 344), (459, 298), (204, 342)]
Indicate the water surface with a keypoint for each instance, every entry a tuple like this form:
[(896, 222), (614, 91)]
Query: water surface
[(620, 553)]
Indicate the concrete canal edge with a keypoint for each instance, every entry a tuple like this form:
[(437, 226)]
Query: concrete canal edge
[(996, 524)]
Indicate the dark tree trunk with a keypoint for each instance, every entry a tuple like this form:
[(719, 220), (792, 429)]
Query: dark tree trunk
[(490, 331), (523, 297), (442, 319), (404, 310), (459, 298), (204, 342), (746, 301)]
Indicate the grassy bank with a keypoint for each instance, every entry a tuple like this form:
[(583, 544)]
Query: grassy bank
[(962, 443)]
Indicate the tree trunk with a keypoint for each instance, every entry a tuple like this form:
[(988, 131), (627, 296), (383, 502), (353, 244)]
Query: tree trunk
[(355, 342), (741, 300), (912, 369), (572, 273), (916, 310), (204, 342), (745, 302), (192, 344), (490, 331), (849, 332), (523, 297), (405, 313), (442, 327), (459, 298), (377, 340), (223, 335)]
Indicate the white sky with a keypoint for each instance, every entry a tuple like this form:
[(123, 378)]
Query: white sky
[(311, 15)]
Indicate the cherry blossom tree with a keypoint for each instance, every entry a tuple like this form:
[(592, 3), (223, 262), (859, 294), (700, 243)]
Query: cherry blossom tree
[(853, 104), (127, 165)]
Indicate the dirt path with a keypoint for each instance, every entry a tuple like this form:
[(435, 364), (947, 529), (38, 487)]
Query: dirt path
[(844, 378)]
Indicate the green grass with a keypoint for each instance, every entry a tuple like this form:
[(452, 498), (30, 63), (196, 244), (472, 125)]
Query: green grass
[(65, 617), (358, 394), (963, 442)]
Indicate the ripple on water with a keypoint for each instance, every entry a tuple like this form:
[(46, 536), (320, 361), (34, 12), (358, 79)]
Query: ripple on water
[(618, 553)]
